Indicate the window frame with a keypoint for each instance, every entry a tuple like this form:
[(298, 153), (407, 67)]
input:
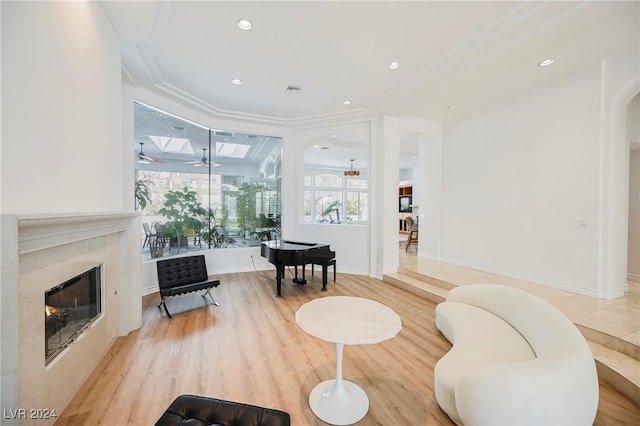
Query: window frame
[(310, 189)]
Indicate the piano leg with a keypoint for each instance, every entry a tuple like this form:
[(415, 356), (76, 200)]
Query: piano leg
[(279, 275), (325, 267)]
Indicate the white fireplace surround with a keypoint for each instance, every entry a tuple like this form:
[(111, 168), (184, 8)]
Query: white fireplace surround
[(39, 252)]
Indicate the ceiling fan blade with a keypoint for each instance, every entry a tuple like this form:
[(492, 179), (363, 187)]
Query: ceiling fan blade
[(203, 163), (150, 159), (142, 158)]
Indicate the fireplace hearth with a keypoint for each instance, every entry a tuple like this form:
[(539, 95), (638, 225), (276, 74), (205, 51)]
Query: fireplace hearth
[(69, 309)]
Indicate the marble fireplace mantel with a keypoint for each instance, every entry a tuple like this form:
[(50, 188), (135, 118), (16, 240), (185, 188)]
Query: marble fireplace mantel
[(37, 232), (38, 252)]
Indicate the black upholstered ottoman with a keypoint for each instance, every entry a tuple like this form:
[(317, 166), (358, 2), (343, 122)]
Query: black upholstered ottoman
[(195, 410)]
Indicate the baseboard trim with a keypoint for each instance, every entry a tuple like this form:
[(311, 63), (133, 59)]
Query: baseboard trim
[(608, 295)]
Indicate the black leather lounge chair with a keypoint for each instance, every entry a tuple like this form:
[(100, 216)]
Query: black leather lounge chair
[(195, 410)]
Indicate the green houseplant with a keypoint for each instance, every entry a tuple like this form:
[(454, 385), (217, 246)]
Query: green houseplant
[(142, 192), (185, 214), (333, 206), (248, 219), (217, 234)]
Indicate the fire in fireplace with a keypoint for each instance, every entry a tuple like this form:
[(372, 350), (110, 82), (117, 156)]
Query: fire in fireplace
[(69, 309)]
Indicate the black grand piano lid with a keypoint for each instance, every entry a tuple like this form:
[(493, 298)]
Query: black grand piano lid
[(291, 245)]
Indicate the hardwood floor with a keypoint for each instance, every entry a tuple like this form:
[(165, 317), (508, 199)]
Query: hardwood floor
[(250, 350)]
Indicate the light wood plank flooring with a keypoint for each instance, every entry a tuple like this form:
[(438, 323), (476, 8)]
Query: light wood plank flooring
[(250, 350)]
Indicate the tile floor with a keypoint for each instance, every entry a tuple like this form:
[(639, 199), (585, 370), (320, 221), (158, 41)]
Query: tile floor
[(618, 317)]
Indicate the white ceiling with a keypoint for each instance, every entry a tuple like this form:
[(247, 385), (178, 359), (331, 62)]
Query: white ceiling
[(464, 54)]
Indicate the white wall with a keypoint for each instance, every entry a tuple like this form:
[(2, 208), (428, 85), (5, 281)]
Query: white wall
[(633, 254), (633, 136), (521, 181), (61, 110)]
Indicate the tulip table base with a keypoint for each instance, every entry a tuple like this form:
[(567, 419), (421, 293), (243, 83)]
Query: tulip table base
[(337, 406)]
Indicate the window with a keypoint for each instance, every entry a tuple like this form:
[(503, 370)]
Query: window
[(199, 188), (332, 198)]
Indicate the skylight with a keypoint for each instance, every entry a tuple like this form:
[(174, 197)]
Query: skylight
[(231, 150), (172, 145)]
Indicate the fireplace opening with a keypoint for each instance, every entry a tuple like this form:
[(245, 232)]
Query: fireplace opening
[(69, 309)]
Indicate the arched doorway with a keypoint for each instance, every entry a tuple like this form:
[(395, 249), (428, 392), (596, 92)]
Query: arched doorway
[(423, 142), (633, 239), (613, 238)]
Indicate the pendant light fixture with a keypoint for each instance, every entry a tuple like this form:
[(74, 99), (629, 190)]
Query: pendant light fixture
[(352, 172)]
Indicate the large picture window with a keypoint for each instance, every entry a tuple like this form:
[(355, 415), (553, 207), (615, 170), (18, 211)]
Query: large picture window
[(332, 198), (201, 188)]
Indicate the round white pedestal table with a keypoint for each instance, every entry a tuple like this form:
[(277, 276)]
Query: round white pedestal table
[(345, 320)]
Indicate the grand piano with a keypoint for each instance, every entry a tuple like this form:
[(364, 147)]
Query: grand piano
[(294, 253)]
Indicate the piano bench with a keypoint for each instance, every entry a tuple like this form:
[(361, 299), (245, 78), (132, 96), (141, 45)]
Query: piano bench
[(326, 265)]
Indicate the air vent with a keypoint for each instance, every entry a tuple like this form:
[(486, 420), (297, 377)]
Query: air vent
[(178, 128), (292, 88), (225, 134)]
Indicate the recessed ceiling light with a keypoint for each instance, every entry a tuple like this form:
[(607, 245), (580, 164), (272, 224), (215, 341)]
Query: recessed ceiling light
[(236, 81), (333, 136), (546, 62), (316, 146), (157, 114), (347, 102), (244, 24), (394, 65)]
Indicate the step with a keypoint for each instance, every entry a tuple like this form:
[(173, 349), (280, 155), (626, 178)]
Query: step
[(426, 278), (415, 286), (614, 343), (617, 361), (617, 369)]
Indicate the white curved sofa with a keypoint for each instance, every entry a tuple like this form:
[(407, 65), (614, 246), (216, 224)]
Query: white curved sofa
[(515, 360)]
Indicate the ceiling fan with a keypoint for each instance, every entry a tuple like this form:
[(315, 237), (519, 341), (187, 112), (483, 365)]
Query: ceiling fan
[(204, 161), (145, 159)]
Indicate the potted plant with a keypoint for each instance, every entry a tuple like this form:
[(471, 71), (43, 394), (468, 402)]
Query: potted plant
[(217, 234), (156, 246), (142, 192), (248, 219), (184, 212), (333, 206)]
